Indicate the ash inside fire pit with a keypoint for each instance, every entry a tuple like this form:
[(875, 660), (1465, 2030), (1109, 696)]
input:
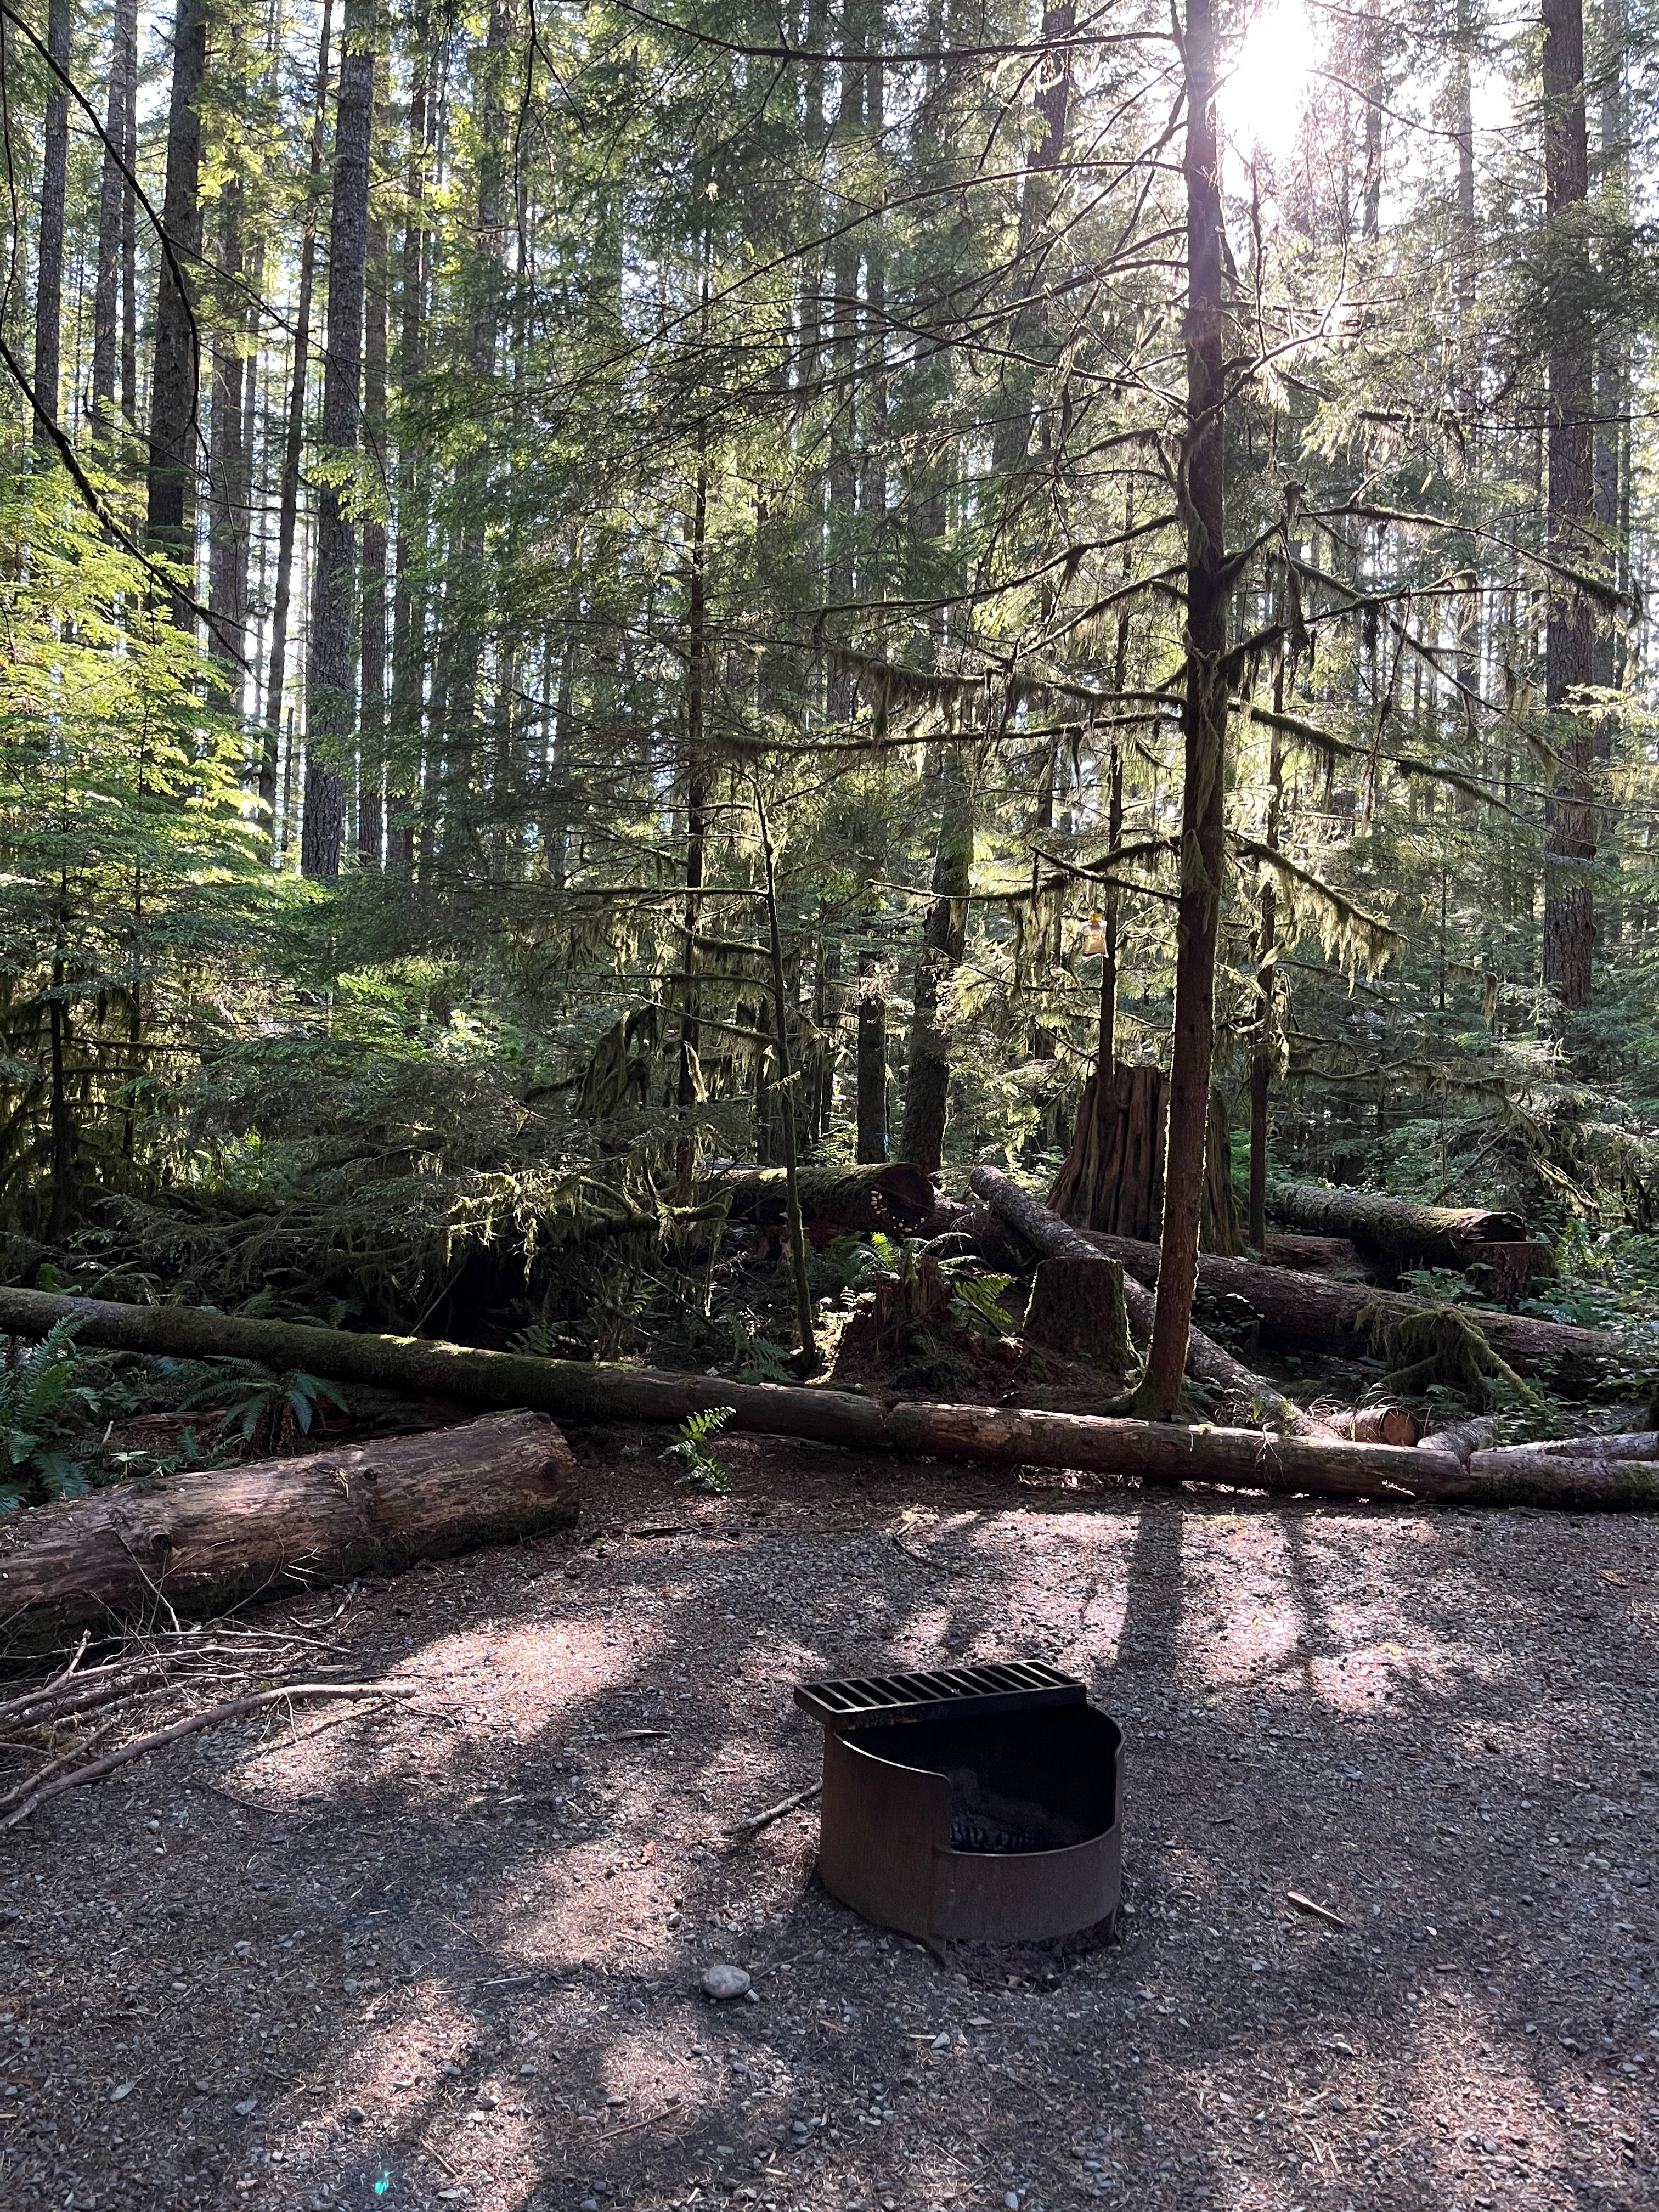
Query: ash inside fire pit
[(978, 1804)]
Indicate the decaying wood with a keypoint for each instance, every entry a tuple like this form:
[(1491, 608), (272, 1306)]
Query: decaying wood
[(186, 1546), (1112, 1178), (1077, 1310), (421, 1367), (1206, 1360), (602, 1393), (896, 1197), (1397, 1232), (1508, 1459), (1550, 1479), (1220, 1228), (1317, 1313), (1376, 1424), (1159, 1451), (1462, 1438), (1315, 1255)]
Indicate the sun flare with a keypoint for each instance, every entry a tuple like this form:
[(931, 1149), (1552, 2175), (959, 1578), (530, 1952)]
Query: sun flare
[(1264, 95)]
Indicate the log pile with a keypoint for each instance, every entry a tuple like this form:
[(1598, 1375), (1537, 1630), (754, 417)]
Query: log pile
[(1321, 1313)]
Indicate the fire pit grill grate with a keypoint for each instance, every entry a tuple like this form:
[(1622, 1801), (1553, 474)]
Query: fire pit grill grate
[(1013, 1686), (975, 1803)]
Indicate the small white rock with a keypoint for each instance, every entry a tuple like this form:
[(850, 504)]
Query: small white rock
[(122, 2089), (724, 1982)]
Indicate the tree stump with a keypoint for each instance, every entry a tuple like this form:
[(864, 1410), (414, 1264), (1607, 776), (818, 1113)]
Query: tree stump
[(1077, 1312), (1114, 1173)]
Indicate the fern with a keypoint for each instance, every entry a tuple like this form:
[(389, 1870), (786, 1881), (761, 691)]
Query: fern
[(703, 1471)]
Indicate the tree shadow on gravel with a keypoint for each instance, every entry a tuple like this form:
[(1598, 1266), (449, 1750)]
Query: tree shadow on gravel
[(508, 1894)]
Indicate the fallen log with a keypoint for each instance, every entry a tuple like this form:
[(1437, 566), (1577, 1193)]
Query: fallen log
[(421, 1367), (896, 1196), (1598, 1484), (1318, 1313), (1375, 1424), (1321, 1466), (1396, 1230), (184, 1547), (1315, 1255), (1507, 1458), (1160, 1451), (1462, 1438), (1055, 1239)]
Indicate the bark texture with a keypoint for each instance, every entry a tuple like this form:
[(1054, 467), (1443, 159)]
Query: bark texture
[(1112, 1178), (1202, 478), (572, 1389), (928, 1082), (114, 199), (1161, 1451), (1394, 1228), (1077, 1310), (1571, 827), (898, 1197), (330, 701), (174, 427), (1206, 1360), (196, 1543), (49, 266)]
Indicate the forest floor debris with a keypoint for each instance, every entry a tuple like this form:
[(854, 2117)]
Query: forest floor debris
[(450, 1952)]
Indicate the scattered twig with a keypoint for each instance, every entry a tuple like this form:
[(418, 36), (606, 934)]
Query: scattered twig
[(646, 2120), (744, 1829), (433, 2151), (1318, 1911), (192, 1724)]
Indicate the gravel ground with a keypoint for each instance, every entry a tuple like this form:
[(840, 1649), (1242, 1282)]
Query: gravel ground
[(447, 1951)]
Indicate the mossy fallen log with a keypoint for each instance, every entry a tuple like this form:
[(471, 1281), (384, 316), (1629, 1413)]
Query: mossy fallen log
[(1395, 1230), (896, 1197), (1319, 1465)]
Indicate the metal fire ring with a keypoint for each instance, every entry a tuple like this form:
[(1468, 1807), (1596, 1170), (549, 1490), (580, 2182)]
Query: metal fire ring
[(970, 1804)]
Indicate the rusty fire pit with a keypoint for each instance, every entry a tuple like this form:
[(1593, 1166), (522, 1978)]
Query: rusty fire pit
[(970, 1804)]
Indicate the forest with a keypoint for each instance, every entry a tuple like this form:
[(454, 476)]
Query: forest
[(829, 866)]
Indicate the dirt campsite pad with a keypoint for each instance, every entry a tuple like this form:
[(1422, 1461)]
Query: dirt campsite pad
[(447, 1951)]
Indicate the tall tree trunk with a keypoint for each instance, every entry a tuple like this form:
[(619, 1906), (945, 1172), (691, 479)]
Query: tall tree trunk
[(371, 787), (330, 672), (228, 469), (872, 1068), (1025, 331), (175, 424), (928, 1080), (409, 590), (288, 498), (1204, 727), (696, 798), (467, 591), (114, 200), (130, 226), (1262, 1058), (1570, 826), (49, 269)]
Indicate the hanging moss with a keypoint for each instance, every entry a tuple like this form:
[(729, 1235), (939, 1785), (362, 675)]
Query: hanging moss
[(1442, 1348)]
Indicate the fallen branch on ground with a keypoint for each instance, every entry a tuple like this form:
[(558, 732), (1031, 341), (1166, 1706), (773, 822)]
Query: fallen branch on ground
[(149, 1675)]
